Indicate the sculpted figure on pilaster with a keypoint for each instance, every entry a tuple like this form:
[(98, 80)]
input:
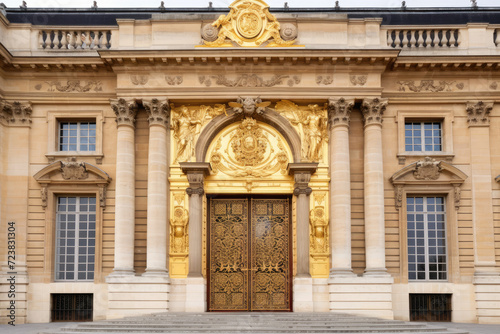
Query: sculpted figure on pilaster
[(311, 123), (373, 110), (187, 122), (125, 111), (179, 241), (319, 230), (339, 111), (158, 111), (479, 113), (249, 105), (15, 113)]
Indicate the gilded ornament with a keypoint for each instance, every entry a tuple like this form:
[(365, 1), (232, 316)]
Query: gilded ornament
[(179, 242), (248, 152), (319, 230), (249, 24), (187, 122), (312, 124)]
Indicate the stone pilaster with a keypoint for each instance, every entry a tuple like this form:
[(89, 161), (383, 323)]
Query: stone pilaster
[(482, 194), (372, 110), (195, 283), (125, 111), (16, 113), (158, 112), (340, 186), (302, 283)]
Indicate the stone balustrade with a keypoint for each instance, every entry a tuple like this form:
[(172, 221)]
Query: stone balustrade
[(68, 39), (496, 37), (423, 38)]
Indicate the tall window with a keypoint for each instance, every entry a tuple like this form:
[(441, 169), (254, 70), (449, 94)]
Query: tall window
[(75, 238), (423, 137), (77, 136), (426, 238)]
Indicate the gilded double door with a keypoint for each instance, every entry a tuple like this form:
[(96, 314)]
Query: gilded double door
[(249, 252)]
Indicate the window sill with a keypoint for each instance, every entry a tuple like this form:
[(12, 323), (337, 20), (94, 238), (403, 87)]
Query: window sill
[(66, 154), (446, 156)]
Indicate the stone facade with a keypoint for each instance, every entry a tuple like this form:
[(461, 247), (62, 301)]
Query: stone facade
[(332, 101)]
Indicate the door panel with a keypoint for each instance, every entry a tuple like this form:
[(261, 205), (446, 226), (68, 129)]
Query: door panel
[(228, 255), (249, 255)]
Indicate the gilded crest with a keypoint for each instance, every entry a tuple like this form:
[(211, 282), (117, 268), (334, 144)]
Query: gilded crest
[(248, 23), (249, 144)]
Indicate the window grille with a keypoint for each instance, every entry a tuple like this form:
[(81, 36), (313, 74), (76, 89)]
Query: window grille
[(72, 307), (430, 307)]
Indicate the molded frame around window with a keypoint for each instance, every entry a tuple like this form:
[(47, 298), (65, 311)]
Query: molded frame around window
[(53, 119), (443, 116), (53, 192), (451, 231)]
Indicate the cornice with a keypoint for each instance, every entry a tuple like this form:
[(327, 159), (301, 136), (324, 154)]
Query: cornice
[(256, 56), (446, 63)]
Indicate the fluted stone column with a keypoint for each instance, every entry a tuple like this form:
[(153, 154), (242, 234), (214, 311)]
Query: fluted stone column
[(482, 194), (340, 187), (125, 111), (373, 110), (159, 112)]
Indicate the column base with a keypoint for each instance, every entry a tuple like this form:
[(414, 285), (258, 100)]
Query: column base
[(196, 294), (303, 294), (367, 296), (117, 272), (156, 273), (376, 272), (342, 272), (487, 289), (137, 295)]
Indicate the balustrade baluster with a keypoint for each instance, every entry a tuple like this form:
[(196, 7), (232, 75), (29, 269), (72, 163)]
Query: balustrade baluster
[(452, 39), (405, 38), (64, 41), (420, 39), (41, 40), (428, 39), (78, 40), (413, 39)]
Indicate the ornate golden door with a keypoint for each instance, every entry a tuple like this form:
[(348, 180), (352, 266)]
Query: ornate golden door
[(249, 255)]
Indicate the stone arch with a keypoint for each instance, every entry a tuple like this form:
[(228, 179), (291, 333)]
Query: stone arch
[(270, 117)]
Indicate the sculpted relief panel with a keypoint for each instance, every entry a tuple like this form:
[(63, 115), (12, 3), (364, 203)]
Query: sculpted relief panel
[(187, 123), (311, 122)]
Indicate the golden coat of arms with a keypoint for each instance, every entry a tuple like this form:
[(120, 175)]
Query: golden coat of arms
[(248, 23)]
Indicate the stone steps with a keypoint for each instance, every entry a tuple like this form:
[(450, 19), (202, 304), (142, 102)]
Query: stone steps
[(261, 323)]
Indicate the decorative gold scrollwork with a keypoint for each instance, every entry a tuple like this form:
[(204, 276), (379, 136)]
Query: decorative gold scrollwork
[(248, 23), (179, 242)]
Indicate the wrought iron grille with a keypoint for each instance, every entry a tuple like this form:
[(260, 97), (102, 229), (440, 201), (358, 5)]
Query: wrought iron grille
[(72, 307), (430, 307)]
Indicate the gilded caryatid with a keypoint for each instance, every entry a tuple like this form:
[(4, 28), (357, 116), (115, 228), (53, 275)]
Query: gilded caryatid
[(248, 24), (179, 231), (319, 231)]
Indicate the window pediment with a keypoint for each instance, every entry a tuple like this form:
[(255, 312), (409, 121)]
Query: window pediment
[(72, 172), (428, 172)]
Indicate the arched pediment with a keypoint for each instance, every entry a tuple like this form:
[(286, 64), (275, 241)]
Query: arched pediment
[(71, 172), (281, 124), (428, 172)]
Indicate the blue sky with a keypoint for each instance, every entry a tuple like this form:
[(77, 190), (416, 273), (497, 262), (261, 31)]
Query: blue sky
[(272, 3)]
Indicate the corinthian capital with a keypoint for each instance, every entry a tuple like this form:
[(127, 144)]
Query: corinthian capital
[(15, 113), (479, 113), (158, 111), (339, 111), (373, 109), (125, 111)]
